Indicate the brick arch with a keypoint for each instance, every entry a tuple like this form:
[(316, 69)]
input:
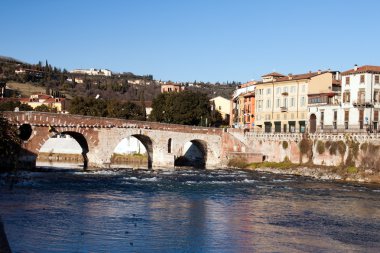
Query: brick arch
[(78, 136)]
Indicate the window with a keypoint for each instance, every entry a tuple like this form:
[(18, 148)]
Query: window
[(170, 145), (293, 89), (268, 91), (335, 119), (285, 102), (303, 88), (292, 116), (302, 101), (346, 97), (377, 81), (285, 89), (277, 102), (361, 119), (268, 103), (347, 80), (220, 107), (346, 115), (278, 90), (292, 104), (362, 78), (376, 96), (376, 116)]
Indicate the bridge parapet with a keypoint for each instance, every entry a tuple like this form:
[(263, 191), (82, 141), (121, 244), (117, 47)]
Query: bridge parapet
[(79, 121)]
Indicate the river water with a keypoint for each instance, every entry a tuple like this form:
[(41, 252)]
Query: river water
[(187, 210)]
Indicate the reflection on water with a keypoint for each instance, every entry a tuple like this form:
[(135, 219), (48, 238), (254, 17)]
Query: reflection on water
[(187, 211)]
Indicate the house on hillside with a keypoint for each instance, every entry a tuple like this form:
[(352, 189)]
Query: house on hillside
[(42, 99), (171, 87)]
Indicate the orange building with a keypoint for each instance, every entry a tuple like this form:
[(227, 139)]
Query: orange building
[(249, 110)]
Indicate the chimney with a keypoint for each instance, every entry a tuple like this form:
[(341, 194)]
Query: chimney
[(290, 76), (355, 67), (319, 71)]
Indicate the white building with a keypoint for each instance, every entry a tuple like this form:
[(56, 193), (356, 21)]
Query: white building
[(92, 72), (355, 108), (360, 99)]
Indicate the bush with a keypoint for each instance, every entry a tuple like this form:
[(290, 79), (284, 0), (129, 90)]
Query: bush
[(320, 147), (341, 147), (285, 144), (281, 165), (237, 163), (352, 170), (327, 144), (364, 147), (333, 148)]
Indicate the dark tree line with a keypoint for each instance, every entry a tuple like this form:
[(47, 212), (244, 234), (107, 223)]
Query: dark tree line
[(106, 108), (187, 108)]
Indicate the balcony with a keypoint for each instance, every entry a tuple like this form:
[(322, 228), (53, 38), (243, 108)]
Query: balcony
[(362, 103), (284, 109), (285, 93)]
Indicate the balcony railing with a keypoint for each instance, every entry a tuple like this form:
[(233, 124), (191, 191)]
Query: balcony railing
[(362, 103), (284, 109)]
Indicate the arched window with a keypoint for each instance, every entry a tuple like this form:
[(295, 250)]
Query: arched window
[(170, 145)]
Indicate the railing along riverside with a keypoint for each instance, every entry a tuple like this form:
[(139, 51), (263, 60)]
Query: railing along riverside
[(359, 136)]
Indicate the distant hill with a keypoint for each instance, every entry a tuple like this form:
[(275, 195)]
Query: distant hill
[(27, 78)]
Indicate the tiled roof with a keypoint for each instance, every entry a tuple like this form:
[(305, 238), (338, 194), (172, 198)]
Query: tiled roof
[(297, 77), (273, 74), (363, 69)]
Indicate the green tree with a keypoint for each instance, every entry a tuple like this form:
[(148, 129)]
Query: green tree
[(11, 105), (187, 108), (42, 108), (10, 145)]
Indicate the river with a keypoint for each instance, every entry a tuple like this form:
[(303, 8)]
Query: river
[(187, 210)]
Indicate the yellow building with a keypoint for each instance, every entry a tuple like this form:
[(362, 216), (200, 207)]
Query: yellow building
[(282, 101), (59, 104), (222, 105)]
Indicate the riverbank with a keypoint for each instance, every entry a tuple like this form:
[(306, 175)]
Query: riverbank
[(324, 173)]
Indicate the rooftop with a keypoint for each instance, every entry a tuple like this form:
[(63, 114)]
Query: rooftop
[(363, 69)]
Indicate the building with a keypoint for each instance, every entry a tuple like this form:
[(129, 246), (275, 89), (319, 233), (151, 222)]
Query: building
[(360, 99), (241, 98), (42, 99), (324, 98), (171, 87), (92, 72), (282, 101), (222, 105)]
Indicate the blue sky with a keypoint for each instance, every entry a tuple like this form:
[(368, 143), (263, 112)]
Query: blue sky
[(187, 40)]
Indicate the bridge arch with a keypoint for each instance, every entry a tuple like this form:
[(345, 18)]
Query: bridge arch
[(145, 140), (80, 139), (192, 153)]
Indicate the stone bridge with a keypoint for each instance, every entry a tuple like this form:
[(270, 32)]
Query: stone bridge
[(98, 138)]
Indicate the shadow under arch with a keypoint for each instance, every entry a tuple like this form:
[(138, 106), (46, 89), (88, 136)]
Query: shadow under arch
[(82, 143), (195, 155), (147, 142)]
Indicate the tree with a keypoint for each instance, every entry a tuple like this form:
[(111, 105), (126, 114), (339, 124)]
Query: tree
[(11, 105), (187, 108), (10, 145), (103, 108), (42, 108)]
